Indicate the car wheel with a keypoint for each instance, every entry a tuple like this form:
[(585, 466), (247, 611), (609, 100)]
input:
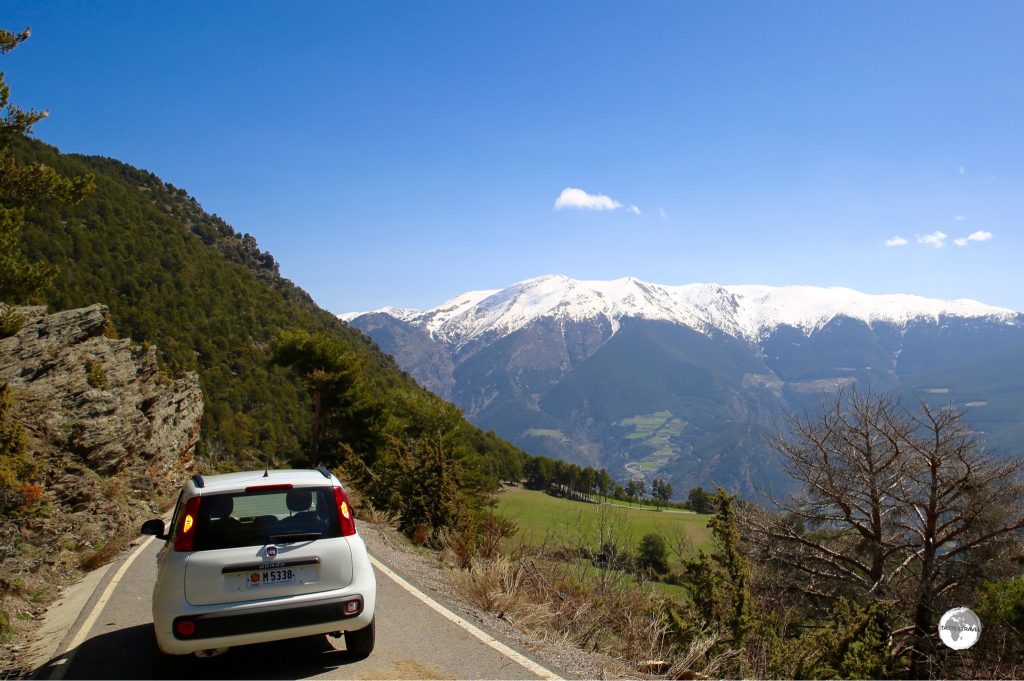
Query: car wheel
[(359, 643)]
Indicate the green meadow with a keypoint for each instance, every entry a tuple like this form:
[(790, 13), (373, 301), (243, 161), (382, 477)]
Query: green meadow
[(543, 518)]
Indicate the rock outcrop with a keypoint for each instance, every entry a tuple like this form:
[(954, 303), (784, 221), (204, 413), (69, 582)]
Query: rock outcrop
[(103, 401), (115, 436)]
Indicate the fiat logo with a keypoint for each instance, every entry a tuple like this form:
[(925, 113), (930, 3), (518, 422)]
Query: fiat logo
[(271, 551)]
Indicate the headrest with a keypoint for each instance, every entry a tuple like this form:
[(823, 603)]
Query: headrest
[(219, 506), (299, 500)]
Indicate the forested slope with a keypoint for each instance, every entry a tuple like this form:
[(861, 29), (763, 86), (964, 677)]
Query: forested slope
[(212, 302)]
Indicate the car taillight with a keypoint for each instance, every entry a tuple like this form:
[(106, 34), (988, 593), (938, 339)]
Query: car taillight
[(185, 534), (348, 521), (353, 607)]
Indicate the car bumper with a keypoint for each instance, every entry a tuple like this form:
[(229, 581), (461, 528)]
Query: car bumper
[(236, 624)]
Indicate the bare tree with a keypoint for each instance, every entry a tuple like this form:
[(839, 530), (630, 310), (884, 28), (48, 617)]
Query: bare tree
[(678, 540), (965, 510), (836, 534), (897, 507)]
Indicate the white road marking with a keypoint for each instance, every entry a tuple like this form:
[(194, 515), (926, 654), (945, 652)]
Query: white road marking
[(463, 624), (83, 631)]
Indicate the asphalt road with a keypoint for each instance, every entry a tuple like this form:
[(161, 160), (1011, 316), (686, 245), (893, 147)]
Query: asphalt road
[(114, 640)]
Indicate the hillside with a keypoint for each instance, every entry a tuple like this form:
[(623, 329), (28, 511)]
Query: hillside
[(212, 302)]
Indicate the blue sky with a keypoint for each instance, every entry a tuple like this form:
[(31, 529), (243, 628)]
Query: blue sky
[(400, 153)]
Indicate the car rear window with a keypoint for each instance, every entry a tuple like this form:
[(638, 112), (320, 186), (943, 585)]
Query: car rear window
[(230, 520)]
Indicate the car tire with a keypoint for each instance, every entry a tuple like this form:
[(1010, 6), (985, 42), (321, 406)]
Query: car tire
[(359, 643)]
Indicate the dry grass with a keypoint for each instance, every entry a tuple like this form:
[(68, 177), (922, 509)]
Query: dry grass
[(698, 662), (556, 591), (373, 516), (622, 619), (109, 551), (497, 585)]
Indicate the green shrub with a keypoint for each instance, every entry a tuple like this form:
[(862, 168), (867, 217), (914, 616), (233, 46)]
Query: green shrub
[(652, 554), (95, 375), (10, 322)]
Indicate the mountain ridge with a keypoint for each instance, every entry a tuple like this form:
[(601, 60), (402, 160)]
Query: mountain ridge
[(751, 312)]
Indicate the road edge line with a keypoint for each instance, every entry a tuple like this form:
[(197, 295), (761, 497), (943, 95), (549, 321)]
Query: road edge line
[(486, 638), (83, 631)]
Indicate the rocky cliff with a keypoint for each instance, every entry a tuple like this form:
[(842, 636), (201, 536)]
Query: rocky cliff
[(115, 436)]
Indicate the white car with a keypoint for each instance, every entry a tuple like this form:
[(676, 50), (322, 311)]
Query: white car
[(261, 556)]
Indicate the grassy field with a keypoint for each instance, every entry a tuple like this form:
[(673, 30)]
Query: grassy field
[(546, 432), (544, 518), (656, 432)]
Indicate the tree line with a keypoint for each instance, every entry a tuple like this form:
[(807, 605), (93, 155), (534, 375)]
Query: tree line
[(586, 483)]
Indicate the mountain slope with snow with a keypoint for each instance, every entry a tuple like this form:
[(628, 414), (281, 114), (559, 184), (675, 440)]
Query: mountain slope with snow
[(747, 312), (686, 382)]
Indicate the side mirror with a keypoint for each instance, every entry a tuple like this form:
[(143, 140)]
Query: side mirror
[(154, 527)]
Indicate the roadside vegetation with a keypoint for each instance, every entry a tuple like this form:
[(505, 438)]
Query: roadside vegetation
[(902, 516)]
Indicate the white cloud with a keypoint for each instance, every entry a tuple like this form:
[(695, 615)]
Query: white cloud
[(963, 171), (634, 210), (571, 197), (980, 235), (960, 218), (936, 238), (896, 241), (662, 213)]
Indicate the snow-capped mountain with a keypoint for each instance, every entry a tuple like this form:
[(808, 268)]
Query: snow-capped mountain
[(748, 312), (685, 381)]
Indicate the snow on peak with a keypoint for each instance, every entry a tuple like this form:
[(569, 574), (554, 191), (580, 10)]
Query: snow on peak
[(397, 312), (749, 312)]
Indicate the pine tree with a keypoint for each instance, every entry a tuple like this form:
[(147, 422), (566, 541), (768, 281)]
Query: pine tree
[(24, 186), (719, 583), (652, 554), (328, 369)]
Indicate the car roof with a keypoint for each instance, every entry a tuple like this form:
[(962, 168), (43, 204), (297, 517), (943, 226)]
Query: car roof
[(230, 482)]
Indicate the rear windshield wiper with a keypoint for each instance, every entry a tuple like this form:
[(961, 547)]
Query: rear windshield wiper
[(297, 536)]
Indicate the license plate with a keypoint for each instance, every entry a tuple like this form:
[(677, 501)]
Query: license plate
[(261, 579)]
